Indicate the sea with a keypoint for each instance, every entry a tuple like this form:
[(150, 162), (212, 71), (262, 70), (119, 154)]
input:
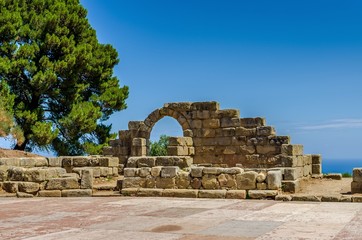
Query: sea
[(340, 165)]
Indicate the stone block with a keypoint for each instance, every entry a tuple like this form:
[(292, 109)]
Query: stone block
[(356, 187), (144, 172), (261, 177), (246, 180), (132, 162), (129, 191), (265, 131), (24, 195), (292, 149), (183, 180), (307, 170), (96, 172), (191, 151), (227, 181), (14, 162), (183, 162), (62, 183), (138, 150), (346, 198), (169, 171), (293, 173), (108, 162), (316, 159), (316, 169), (356, 198), (196, 183), (50, 193), (54, 172), (3, 173), (156, 171), (196, 124), (290, 161), (196, 171), (177, 150), (212, 193), (274, 180), (306, 197), (165, 161), (232, 171), (146, 162), (331, 198), (212, 170), (147, 192), (202, 106), (334, 176), (180, 193), (268, 149), (28, 187), (80, 161), (307, 159), (210, 182), (236, 194), (16, 173), (10, 187), (211, 123), (165, 182), (35, 175), (86, 181), (105, 172), (139, 142), (33, 162), (150, 182), (283, 197), (67, 162), (262, 194), (205, 114), (133, 182), (357, 174), (55, 162), (247, 132), (229, 122), (261, 186), (252, 122), (77, 193), (291, 186)]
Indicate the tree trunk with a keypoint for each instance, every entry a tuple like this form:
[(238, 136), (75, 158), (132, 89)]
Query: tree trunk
[(22, 146)]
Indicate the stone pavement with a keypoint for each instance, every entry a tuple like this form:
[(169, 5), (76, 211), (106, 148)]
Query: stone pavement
[(176, 218)]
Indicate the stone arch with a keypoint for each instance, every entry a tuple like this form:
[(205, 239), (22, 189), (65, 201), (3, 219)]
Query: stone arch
[(179, 116)]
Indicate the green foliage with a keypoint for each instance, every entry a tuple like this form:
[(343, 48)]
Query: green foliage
[(159, 148), (346, 175), (56, 76)]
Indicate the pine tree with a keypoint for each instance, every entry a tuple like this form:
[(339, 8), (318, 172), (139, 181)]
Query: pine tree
[(59, 76)]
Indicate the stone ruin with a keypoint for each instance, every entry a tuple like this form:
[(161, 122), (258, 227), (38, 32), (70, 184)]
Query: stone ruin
[(219, 152)]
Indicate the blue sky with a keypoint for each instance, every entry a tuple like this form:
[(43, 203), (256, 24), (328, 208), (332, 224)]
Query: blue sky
[(296, 63)]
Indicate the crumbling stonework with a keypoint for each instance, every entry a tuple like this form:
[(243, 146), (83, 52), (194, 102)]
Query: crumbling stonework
[(219, 138), (356, 185)]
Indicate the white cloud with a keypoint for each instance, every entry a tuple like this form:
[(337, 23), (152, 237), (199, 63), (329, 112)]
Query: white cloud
[(335, 124)]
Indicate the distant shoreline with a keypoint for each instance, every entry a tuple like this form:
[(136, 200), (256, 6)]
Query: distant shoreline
[(340, 165)]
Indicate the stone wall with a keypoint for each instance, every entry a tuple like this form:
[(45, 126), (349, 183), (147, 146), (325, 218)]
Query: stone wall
[(219, 138), (356, 185), (54, 177)]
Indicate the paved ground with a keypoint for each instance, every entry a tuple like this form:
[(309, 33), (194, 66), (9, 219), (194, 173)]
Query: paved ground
[(175, 218)]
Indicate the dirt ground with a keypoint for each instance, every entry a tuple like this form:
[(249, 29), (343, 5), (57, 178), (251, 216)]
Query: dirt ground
[(9, 153), (326, 186)]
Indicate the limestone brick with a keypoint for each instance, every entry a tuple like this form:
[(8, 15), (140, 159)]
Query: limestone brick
[(165, 182), (246, 180), (274, 179), (133, 182), (86, 181), (10, 187), (28, 187), (252, 122), (196, 183), (212, 193), (235, 194), (50, 193), (62, 183), (211, 123), (183, 180), (77, 193), (357, 174), (292, 150), (227, 181), (262, 194), (181, 193), (316, 169), (169, 171), (265, 131), (177, 150), (210, 182), (316, 159)]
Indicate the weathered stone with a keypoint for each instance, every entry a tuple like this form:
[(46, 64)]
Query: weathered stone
[(316, 169), (252, 122), (331, 198), (183, 180), (261, 186), (139, 142), (261, 177), (316, 159), (232, 171), (196, 171), (335, 176), (53, 172), (132, 162), (196, 183), (33, 162), (108, 162), (211, 123), (138, 150), (164, 161), (265, 131), (346, 198), (80, 161), (262, 194), (309, 198), (283, 197), (28, 187), (3, 173), (147, 192), (55, 162), (86, 179), (292, 150), (210, 182), (24, 195), (165, 182), (356, 187), (177, 150), (130, 172), (129, 191), (16, 173), (236, 194), (146, 162), (104, 172), (183, 162), (50, 193), (293, 173), (227, 181), (10, 187), (212, 193), (212, 170), (357, 174), (34, 175), (77, 193), (144, 172), (150, 182), (246, 180), (62, 183), (156, 171), (274, 180), (169, 171), (181, 193), (356, 198), (133, 182), (291, 186)]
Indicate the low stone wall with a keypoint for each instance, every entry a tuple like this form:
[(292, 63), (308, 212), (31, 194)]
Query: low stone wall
[(356, 185), (54, 177)]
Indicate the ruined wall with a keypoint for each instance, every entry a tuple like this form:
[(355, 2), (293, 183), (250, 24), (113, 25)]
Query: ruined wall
[(54, 177)]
